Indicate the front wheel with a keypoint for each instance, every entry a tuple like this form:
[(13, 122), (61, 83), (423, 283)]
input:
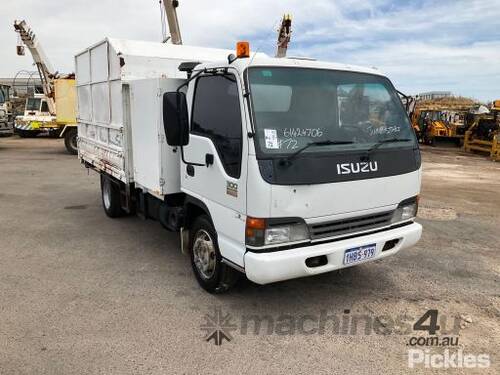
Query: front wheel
[(110, 192), (70, 141), (212, 275)]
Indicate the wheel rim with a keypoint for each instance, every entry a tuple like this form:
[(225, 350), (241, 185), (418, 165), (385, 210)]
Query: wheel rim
[(204, 254), (106, 194)]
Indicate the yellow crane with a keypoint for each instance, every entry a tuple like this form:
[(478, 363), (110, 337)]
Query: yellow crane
[(53, 112), (284, 35)]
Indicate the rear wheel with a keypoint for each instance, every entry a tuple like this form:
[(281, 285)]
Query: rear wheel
[(70, 141), (212, 275), (111, 202)]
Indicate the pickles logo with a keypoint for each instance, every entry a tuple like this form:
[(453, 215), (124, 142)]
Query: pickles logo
[(355, 168), (448, 359)]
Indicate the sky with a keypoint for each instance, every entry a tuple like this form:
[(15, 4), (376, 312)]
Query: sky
[(422, 45)]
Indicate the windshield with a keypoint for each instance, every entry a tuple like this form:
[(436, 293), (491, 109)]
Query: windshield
[(294, 107), (33, 104), (4, 94)]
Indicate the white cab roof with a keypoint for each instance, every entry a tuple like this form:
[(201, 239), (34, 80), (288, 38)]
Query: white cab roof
[(153, 59), (264, 60)]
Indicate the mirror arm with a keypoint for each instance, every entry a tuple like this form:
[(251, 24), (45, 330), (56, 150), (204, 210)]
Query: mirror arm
[(194, 76), (188, 163), (184, 84)]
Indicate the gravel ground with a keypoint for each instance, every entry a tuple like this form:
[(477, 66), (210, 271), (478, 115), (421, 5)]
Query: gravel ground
[(81, 293)]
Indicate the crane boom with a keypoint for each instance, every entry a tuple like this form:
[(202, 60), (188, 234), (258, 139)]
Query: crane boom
[(173, 21), (284, 35), (42, 63)]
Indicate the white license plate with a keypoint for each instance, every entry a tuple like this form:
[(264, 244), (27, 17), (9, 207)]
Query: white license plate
[(359, 254)]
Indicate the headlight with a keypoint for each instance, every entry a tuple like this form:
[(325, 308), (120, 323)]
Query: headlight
[(406, 210), (2, 113), (261, 232)]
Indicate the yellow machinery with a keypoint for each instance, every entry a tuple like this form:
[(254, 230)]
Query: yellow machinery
[(65, 97), (431, 123), (54, 111), (284, 35), (441, 119), (484, 134)]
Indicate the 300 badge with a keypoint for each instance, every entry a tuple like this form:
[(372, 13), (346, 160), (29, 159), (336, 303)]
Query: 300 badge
[(232, 189)]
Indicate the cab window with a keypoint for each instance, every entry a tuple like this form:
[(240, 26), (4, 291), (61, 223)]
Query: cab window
[(217, 115), (45, 107)]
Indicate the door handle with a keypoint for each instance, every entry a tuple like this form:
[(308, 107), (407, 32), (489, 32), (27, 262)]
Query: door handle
[(209, 160), (190, 170)]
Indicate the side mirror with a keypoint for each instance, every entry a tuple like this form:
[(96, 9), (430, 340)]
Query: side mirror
[(175, 118)]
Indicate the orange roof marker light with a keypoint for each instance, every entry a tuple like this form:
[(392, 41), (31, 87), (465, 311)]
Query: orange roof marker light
[(242, 50)]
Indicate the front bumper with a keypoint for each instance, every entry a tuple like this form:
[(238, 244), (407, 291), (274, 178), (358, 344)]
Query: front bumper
[(36, 126), (6, 128), (265, 268)]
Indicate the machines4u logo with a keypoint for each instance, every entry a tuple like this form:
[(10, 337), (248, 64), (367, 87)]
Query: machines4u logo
[(218, 327)]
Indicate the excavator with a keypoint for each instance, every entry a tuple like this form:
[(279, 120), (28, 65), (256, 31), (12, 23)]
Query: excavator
[(441, 119), (484, 133), (54, 111)]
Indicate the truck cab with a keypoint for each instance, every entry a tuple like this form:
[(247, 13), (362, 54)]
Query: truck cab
[(275, 168), (305, 167), (36, 117)]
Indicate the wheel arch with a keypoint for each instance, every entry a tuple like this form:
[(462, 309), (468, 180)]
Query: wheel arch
[(193, 208), (66, 127)]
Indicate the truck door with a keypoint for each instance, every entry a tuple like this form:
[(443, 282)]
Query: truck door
[(217, 134)]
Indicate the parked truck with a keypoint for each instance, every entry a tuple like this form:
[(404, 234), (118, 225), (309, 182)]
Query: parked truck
[(275, 168), (6, 116), (36, 117)]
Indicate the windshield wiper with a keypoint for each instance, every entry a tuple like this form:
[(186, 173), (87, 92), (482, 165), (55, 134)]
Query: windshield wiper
[(288, 159), (392, 140)]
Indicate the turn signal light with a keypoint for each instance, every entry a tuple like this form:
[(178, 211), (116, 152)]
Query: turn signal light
[(242, 49), (255, 230), (275, 231), (254, 223)]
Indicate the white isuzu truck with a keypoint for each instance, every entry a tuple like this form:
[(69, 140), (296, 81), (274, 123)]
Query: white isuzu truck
[(276, 168)]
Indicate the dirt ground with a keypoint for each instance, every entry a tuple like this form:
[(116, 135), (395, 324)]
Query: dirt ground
[(81, 293)]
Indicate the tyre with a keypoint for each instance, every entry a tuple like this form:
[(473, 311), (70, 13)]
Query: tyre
[(212, 275), (70, 141), (111, 202)]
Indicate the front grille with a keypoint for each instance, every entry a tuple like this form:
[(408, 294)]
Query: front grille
[(350, 225)]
